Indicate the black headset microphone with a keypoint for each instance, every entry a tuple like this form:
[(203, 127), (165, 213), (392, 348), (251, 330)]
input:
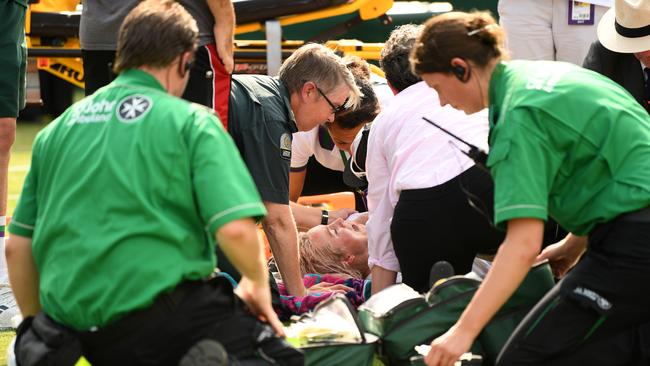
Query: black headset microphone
[(475, 153), (460, 72)]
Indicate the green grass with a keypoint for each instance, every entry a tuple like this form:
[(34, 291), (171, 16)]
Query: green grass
[(21, 154), (5, 338)]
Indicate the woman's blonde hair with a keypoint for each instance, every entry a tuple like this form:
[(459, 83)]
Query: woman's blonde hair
[(323, 259)]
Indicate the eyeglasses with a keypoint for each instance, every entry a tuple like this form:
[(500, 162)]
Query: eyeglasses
[(335, 109)]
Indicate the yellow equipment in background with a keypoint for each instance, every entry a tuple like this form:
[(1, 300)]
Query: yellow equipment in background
[(52, 32)]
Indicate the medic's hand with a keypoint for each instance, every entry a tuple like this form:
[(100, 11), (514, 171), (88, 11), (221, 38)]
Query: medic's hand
[(447, 349), (258, 298), (562, 256)]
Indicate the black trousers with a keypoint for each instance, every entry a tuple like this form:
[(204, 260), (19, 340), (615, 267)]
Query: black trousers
[(162, 333), (438, 224), (98, 69), (599, 314), (209, 83)]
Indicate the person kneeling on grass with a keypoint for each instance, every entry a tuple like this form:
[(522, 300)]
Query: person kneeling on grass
[(109, 250)]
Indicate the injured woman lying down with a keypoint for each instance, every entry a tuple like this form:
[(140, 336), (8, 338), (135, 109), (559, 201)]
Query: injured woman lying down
[(337, 253)]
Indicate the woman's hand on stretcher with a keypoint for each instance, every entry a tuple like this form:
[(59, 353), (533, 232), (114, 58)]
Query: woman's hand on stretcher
[(329, 287)]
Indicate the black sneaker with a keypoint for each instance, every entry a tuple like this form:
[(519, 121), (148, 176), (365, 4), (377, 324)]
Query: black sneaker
[(207, 352)]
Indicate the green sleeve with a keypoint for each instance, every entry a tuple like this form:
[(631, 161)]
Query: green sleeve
[(223, 187), (522, 165), (23, 220)]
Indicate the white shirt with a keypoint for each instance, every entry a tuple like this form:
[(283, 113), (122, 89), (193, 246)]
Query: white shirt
[(307, 143), (383, 92), (406, 152)]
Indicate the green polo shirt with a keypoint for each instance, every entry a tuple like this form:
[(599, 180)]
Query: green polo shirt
[(261, 122), (565, 142), (125, 193)]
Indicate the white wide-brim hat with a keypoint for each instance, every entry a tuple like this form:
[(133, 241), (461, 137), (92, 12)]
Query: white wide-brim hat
[(625, 28)]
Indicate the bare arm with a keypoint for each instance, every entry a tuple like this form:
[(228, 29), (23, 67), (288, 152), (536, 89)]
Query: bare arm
[(513, 261), (224, 30), (296, 183), (307, 217), (239, 241), (281, 232), (381, 278), (23, 274)]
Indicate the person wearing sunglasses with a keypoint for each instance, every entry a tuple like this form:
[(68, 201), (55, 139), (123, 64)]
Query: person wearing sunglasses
[(566, 143), (319, 156), (312, 85)]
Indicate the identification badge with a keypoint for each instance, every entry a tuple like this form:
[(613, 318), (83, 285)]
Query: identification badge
[(285, 146), (581, 13)]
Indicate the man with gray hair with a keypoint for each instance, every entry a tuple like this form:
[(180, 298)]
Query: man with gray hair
[(313, 84)]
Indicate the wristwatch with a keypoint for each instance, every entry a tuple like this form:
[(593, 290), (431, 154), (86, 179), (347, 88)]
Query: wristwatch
[(325, 217)]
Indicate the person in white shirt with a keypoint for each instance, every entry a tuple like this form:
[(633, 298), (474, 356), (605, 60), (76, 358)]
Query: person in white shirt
[(419, 180), (555, 30), (330, 147)]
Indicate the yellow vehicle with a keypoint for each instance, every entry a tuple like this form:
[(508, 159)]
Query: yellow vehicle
[(52, 30)]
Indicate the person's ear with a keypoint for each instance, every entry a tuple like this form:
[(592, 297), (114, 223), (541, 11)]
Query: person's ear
[(348, 259), (185, 63), (460, 68), (308, 90)]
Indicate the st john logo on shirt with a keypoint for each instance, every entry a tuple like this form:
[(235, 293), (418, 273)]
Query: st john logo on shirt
[(133, 107)]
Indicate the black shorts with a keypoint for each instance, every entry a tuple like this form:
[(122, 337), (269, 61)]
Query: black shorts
[(599, 314), (98, 69), (209, 83)]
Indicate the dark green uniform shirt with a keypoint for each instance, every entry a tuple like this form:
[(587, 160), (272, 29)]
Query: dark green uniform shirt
[(125, 193), (261, 122), (568, 142)]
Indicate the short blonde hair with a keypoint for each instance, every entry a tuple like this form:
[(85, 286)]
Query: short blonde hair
[(317, 63), (323, 259)]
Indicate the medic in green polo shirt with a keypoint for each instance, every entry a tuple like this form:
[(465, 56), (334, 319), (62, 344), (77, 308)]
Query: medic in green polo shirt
[(127, 193), (564, 142)]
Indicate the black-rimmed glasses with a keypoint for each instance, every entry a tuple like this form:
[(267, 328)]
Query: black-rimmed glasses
[(335, 109)]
